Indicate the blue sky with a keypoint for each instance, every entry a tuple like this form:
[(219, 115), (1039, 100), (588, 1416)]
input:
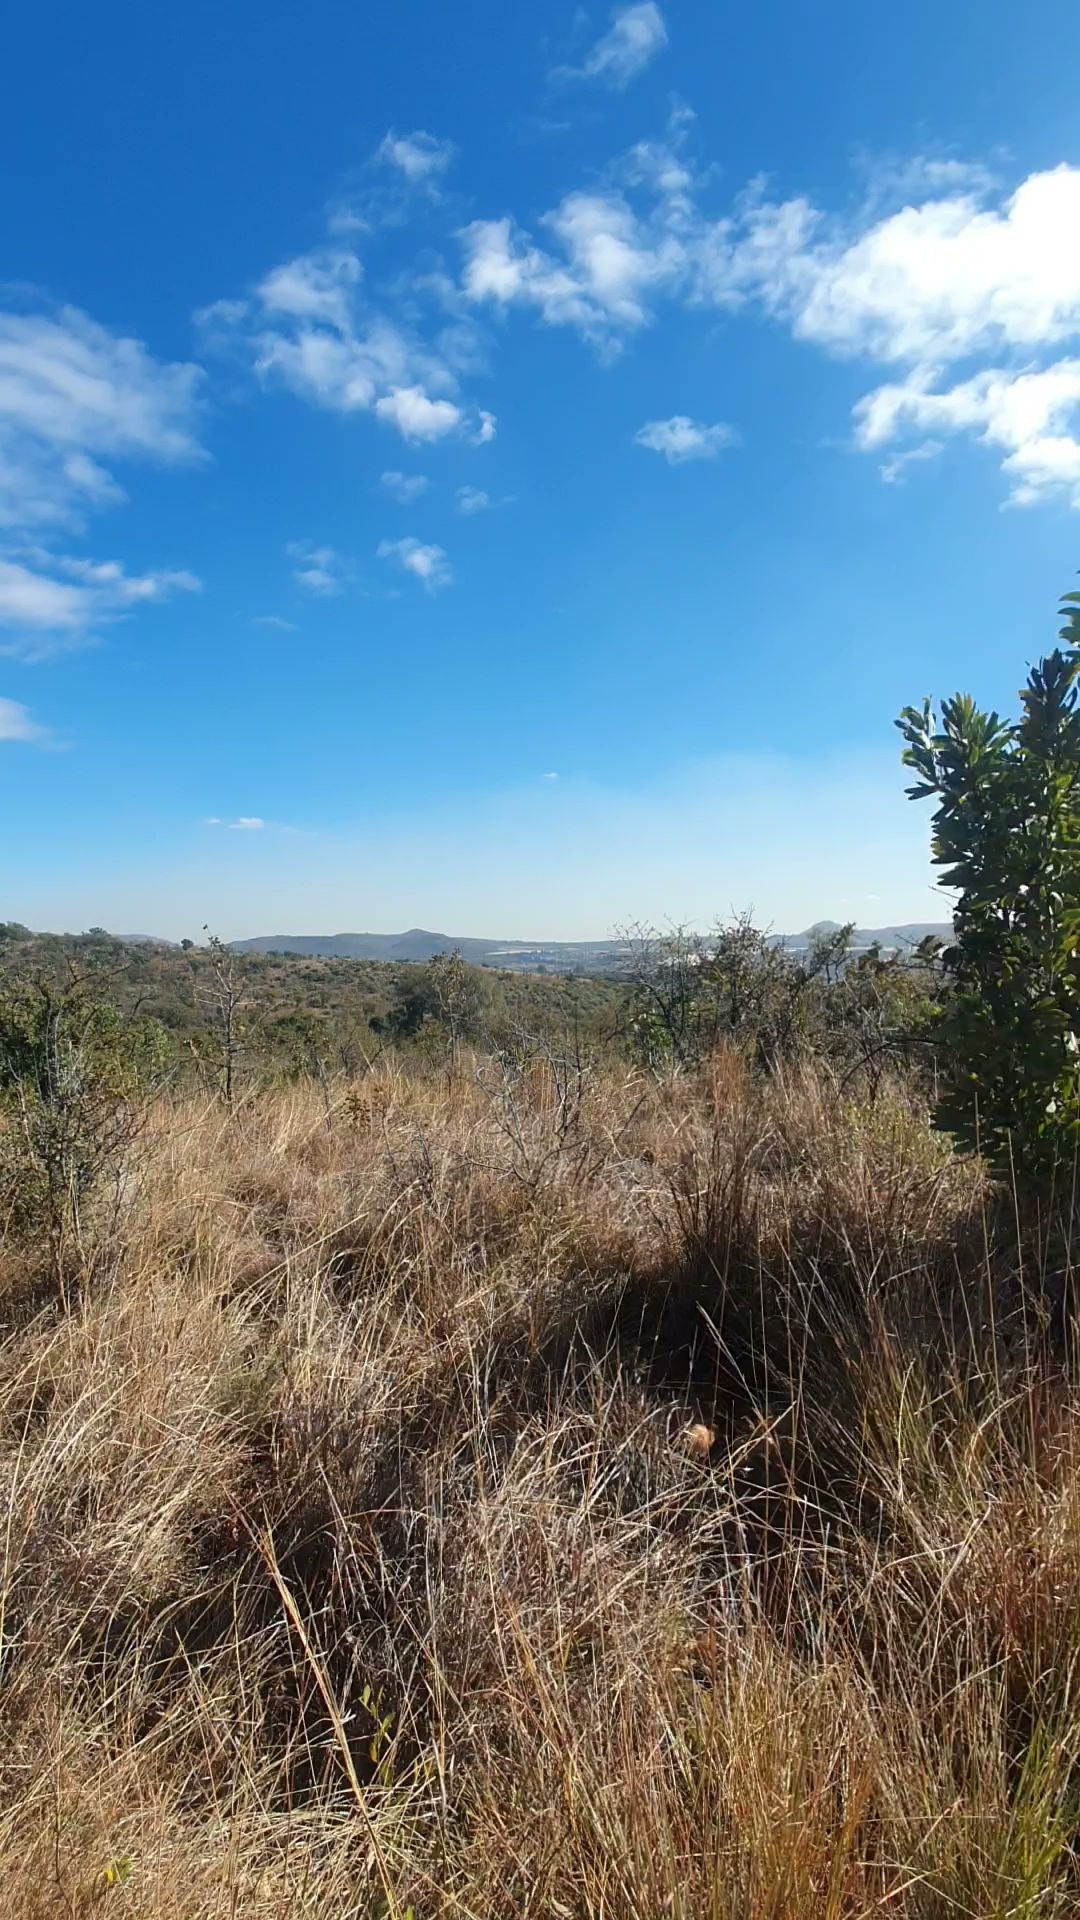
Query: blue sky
[(504, 468)]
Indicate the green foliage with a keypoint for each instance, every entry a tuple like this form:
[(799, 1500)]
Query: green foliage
[(860, 1011), (297, 1007), (1006, 834), (72, 1073)]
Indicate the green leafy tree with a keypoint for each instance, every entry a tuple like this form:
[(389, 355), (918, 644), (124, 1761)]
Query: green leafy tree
[(1006, 834)]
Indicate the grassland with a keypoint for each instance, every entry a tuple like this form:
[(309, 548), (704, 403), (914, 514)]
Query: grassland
[(459, 1491)]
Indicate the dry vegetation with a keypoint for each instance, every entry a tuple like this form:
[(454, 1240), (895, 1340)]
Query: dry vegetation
[(489, 1493)]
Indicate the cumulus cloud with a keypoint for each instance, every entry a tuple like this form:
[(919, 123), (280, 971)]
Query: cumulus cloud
[(681, 438), (418, 156), (636, 35), (1033, 417), (926, 286), (309, 327), (416, 415), (49, 601), (16, 723), (612, 263), (931, 282), (404, 487), (957, 272), (318, 570), (428, 564)]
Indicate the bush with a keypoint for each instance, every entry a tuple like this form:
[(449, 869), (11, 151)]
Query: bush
[(864, 1013), (1006, 833), (71, 1075)]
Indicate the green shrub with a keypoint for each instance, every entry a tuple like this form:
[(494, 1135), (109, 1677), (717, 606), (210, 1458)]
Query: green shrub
[(1006, 833), (73, 1076)]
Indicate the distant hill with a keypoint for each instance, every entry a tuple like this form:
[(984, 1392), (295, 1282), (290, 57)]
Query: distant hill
[(419, 944), (907, 934), (532, 956)]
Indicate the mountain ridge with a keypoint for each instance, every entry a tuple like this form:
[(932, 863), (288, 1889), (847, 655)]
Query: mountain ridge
[(420, 944)]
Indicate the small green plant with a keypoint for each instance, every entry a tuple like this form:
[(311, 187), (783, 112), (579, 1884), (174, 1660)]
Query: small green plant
[(1006, 834), (73, 1075)]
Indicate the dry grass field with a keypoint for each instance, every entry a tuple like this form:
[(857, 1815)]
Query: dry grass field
[(547, 1493)]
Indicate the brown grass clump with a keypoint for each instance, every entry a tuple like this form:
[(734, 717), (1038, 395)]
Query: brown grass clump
[(500, 1495)]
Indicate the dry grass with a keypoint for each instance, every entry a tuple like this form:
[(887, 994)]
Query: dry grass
[(491, 1495)]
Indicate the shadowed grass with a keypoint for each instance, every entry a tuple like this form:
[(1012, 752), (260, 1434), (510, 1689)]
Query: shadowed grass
[(468, 1495)]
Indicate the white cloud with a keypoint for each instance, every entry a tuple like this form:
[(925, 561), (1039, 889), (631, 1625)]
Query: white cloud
[(472, 500), (16, 723), (404, 487), (954, 276), (486, 428), (309, 328), (318, 570), (681, 438), (932, 282), (416, 416), (72, 394), (636, 35), (949, 279), (429, 564), (894, 469), (317, 286), (48, 600), (274, 620), (247, 823), (613, 262), (1029, 415), (418, 156)]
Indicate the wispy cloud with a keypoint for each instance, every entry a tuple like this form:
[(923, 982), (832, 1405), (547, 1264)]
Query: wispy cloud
[(403, 487), (49, 601), (428, 564), (276, 621), (73, 396), (681, 438), (17, 724), (418, 156), (472, 500), (894, 469), (76, 400), (318, 570), (246, 823), (636, 35)]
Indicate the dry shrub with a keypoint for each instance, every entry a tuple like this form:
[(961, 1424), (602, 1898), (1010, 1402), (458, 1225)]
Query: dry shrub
[(494, 1499)]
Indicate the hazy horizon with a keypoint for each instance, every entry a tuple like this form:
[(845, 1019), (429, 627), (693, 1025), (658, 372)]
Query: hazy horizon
[(789, 843)]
